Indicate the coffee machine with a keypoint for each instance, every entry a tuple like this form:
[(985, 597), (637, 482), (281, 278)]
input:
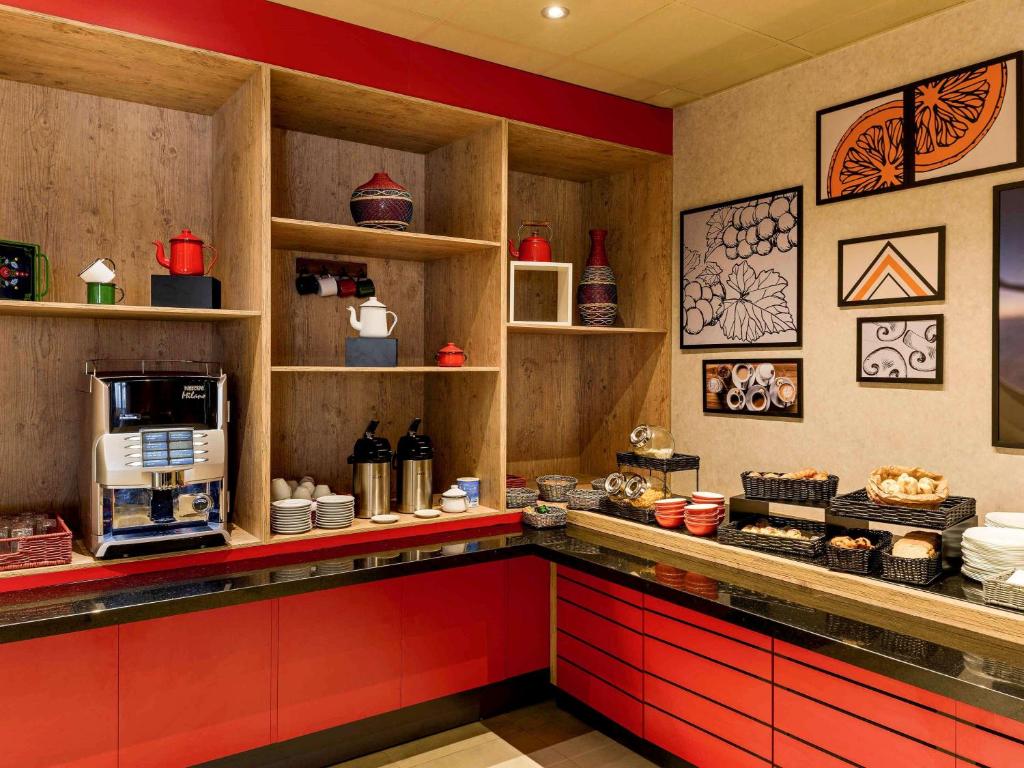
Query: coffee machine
[(371, 473), (154, 458), (414, 465)]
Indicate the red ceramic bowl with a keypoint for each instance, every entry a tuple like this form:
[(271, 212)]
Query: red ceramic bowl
[(701, 529), (701, 509), (669, 521), (707, 497), (662, 505)]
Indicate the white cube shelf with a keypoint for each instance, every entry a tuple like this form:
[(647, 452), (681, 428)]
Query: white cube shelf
[(563, 272)]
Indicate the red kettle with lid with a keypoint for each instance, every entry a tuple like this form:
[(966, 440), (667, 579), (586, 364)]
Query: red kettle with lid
[(186, 255), (534, 247)]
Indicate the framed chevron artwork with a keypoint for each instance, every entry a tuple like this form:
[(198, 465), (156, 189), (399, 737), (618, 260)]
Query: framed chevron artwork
[(894, 268)]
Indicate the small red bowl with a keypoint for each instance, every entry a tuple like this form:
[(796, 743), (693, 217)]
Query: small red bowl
[(701, 529), (707, 497), (669, 521)]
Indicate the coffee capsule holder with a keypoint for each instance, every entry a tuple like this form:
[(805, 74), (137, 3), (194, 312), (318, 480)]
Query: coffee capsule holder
[(658, 473), (330, 268)]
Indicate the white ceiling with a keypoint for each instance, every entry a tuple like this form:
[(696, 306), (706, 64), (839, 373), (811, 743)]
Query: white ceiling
[(663, 52)]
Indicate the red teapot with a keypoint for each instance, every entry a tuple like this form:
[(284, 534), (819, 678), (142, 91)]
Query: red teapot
[(450, 356), (186, 255), (534, 247)]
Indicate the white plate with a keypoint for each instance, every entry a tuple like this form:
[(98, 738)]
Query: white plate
[(427, 514), (337, 498), (385, 519), (1004, 520), (1000, 537), (291, 503)]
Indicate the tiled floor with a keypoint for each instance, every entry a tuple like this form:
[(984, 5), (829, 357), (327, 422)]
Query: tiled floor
[(527, 738)]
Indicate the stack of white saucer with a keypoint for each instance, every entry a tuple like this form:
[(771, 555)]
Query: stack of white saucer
[(990, 551), (336, 511), (1005, 519), (291, 516)]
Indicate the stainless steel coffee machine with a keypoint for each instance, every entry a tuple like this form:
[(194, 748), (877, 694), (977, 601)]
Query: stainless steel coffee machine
[(154, 460)]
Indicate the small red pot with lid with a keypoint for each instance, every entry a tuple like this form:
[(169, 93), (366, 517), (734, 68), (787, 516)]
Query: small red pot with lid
[(450, 356)]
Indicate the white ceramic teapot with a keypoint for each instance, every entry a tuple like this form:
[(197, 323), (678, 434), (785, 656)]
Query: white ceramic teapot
[(373, 320)]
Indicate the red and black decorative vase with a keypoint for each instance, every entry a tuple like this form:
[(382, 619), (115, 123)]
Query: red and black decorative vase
[(597, 297), (382, 203)]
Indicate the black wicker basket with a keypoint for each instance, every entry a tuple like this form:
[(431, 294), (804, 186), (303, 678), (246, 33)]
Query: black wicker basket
[(805, 548), (859, 560), (910, 570), (626, 511), (679, 462), (952, 511), (788, 489)]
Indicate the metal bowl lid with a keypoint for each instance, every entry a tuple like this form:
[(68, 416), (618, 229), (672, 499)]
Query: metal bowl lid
[(454, 493)]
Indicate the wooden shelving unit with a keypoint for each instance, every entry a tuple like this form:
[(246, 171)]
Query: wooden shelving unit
[(113, 141)]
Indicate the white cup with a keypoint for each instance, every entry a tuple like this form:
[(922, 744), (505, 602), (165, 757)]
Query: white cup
[(757, 399), (302, 492), (741, 375), (765, 374), (292, 484), (327, 285), (783, 392), (99, 272), (734, 399), (321, 490), (279, 489)]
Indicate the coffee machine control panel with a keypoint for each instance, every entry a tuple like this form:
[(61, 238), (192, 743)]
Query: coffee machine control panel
[(167, 448)]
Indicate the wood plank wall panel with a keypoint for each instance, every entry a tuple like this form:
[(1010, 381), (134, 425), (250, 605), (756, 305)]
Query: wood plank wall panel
[(464, 182), (316, 419), (40, 452), (88, 177), (313, 176), (241, 226)]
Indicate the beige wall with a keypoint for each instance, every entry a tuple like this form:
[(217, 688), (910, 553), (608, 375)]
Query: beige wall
[(759, 137)]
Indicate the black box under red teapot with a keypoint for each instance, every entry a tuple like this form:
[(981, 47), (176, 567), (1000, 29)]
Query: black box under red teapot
[(188, 291)]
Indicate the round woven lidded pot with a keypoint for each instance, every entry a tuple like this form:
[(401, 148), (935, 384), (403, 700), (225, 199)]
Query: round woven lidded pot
[(381, 203), (597, 296)]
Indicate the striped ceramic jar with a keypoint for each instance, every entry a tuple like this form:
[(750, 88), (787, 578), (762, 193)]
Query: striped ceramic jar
[(381, 203), (597, 295)]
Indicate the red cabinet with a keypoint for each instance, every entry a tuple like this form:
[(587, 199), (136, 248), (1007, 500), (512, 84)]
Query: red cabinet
[(339, 656), (791, 753), (989, 739), (453, 631), (59, 702), (695, 745), (528, 608), (613, 703), (194, 687)]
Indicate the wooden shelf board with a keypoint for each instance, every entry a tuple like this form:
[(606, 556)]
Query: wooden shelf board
[(57, 53), (119, 311), (347, 240), (326, 107), (81, 558), (547, 152), (583, 330), (360, 525), (394, 369)]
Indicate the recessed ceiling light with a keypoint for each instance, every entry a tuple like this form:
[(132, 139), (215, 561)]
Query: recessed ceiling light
[(555, 12)]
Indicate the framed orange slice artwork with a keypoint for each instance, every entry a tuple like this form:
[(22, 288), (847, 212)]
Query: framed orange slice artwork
[(960, 123)]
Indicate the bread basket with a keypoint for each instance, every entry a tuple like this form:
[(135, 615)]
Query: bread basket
[(920, 500)]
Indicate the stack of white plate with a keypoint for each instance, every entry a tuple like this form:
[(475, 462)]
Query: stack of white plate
[(335, 511), (291, 516), (331, 567), (1005, 519), (989, 552)]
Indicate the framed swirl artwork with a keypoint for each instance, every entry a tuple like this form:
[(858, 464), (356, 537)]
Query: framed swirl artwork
[(901, 349)]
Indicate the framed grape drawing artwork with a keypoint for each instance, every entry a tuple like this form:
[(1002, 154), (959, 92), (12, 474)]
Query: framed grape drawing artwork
[(741, 272), (947, 126)]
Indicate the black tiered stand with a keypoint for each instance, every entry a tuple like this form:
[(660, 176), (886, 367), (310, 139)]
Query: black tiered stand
[(680, 462)]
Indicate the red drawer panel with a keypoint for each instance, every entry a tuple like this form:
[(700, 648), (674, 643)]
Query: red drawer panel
[(851, 738), (609, 636), (988, 748), (703, 643), (610, 702), (731, 726), (1004, 725), (608, 587), (692, 744), (528, 607), (603, 605), (930, 727), (790, 753), (608, 668), (875, 680), (708, 622), (734, 689)]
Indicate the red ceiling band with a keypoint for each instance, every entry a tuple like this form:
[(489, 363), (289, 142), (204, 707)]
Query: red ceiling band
[(276, 34)]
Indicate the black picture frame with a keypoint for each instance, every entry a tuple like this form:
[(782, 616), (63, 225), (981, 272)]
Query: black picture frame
[(997, 191), (799, 315), (939, 356), (940, 294), (797, 362), (909, 139)]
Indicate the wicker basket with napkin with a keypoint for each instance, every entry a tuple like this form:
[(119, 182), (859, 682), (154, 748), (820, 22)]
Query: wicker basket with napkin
[(907, 487)]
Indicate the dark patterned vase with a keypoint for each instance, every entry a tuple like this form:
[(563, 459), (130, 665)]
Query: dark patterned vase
[(597, 296), (380, 203)]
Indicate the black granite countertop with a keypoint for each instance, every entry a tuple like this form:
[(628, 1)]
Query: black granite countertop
[(984, 677)]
